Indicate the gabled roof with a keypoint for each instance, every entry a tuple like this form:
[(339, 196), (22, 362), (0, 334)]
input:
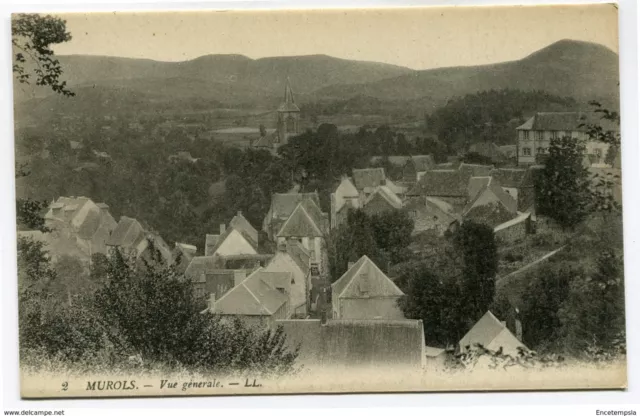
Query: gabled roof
[(282, 205), (510, 178), (387, 195), (90, 224), (508, 148), (128, 233), (268, 140), (368, 178), (395, 188), (346, 189), (441, 183), (243, 261), (256, 295), (435, 207), (210, 242), (477, 184), (299, 254), (567, 121), (469, 169), (210, 250), (487, 149), (187, 248), (443, 205), (364, 277), (491, 334), (494, 211), (199, 267), (304, 221), (240, 223), (423, 163), (399, 161)]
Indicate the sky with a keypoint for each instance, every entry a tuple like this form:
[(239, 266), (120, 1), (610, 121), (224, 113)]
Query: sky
[(418, 38)]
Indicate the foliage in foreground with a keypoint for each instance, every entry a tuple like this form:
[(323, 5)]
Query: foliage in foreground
[(136, 311)]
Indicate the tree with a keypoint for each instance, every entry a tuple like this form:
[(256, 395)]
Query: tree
[(157, 314), (392, 232), (543, 297), (479, 251), (351, 241), (593, 314), (597, 132), (477, 158), (29, 214), (562, 187), (436, 301), (32, 37)]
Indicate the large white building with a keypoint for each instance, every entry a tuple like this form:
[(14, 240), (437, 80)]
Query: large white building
[(534, 136)]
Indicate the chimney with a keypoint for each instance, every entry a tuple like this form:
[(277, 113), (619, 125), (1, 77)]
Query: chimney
[(382, 182), (223, 228), (211, 302), (238, 276), (239, 214)]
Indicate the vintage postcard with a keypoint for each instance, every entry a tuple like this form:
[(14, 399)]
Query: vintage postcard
[(319, 201)]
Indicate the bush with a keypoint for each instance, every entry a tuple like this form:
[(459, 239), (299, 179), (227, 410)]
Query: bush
[(511, 257)]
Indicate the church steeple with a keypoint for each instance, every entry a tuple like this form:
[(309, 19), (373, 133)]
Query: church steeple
[(288, 116), (288, 93), (288, 105)]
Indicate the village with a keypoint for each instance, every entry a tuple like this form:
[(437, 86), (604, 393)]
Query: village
[(277, 273)]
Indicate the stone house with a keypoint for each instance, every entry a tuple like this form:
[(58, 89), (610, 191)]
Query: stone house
[(131, 239), (365, 292), (307, 225), (282, 205), (259, 300), (381, 200), (239, 238), (208, 279), (448, 185), (343, 199), (492, 334), (85, 226), (293, 258)]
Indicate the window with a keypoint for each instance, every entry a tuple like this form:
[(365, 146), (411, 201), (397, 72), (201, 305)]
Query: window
[(199, 292), (525, 135), (554, 134), (291, 125), (413, 214), (541, 150), (539, 135), (526, 151), (598, 153)]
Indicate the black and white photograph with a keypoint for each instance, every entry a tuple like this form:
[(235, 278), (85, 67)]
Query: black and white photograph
[(318, 201)]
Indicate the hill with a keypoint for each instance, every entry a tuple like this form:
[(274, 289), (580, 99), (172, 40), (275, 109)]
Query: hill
[(578, 70), (306, 73), (574, 69)]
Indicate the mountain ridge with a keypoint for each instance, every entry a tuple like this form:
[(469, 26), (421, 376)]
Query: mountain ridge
[(576, 69)]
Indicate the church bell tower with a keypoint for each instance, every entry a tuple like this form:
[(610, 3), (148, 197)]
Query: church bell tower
[(288, 117)]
